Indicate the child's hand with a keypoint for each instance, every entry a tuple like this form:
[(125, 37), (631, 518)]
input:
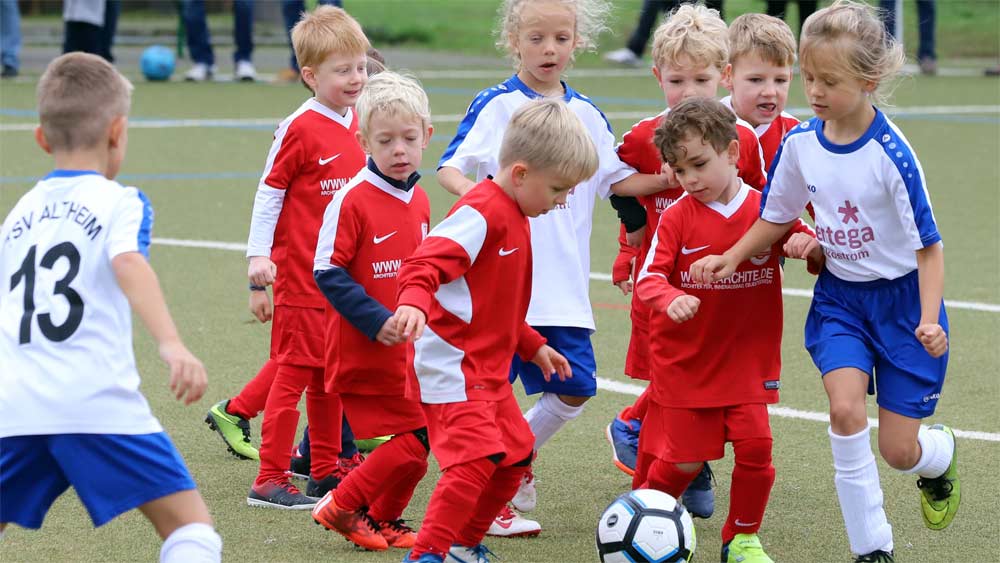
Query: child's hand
[(187, 374), (410, 322), (387, 335), (260, 305), (669, 178), (712, 268), (261, 270), (635, 238), (625, 286), (683, 308), (802, 247), (934, 339), (552, 362)]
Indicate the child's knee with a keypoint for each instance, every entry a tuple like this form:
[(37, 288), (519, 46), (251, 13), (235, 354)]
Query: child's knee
[(847, 416), (899, 455), (754, 452), (689, 467), (573, 400)]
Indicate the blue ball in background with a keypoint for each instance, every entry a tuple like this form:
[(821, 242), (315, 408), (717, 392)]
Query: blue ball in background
[(157, 63)]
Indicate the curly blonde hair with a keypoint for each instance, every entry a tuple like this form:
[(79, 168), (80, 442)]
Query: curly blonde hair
[(692, 32), (591, 18)]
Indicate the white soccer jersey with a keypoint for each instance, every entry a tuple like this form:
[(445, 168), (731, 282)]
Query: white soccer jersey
[(66, 361), (560, 239), (872, 207)]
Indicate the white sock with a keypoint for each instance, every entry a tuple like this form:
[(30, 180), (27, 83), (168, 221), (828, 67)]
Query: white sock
[(193, 543), (549, 415), (859, 492), (936, 450)]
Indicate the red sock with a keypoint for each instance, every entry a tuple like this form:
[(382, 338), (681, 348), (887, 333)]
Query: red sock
[(281, 417), (667, 477), (253, 396), (324, 412), (451, 505), (637, 410), (402, 455), (393, 499), (753, 476), (501, 488)]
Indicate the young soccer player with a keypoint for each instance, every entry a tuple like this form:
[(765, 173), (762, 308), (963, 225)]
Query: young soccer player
[(877, 320), (542, 37), (371, 225), (464, 296), (314, 154), (75, 250), (715, 349), (690, 54)]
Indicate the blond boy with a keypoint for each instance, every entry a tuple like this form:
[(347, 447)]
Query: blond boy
[(75, 248)]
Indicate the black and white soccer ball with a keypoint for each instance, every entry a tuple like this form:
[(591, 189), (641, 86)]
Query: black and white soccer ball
[(645, 526)]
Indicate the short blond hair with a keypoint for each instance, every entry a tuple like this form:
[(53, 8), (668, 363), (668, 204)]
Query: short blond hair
[(545, 134), (702, 119), (695, 33), (325, 31), (767, 37), (591, 21), (392, 95), (865, 50), (79, 95)]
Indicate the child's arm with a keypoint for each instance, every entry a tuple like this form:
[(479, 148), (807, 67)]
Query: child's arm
[(454, 181), (624, 265), (654, 287), (632, 215), (800, 243), (260, 305), (930, 271), (641, 184), (139, 284), (763, 234)]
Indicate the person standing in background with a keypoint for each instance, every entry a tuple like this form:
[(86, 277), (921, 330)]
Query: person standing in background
[(199, 41), (631, 54), (90, 25), (926, 22), (10, 38)]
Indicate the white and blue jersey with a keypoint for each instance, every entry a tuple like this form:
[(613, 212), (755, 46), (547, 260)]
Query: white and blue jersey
[(66, 360)]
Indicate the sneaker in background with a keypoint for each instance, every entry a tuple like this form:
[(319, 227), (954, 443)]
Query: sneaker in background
[(234, 430), (283, 496), (509, 524)]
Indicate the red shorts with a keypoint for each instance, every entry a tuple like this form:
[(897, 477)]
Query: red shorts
[(692, 435), (462, 432), (371, 416), (297, 336)]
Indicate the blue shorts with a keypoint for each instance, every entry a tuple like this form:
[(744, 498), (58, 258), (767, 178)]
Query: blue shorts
[(573, 343), (112, 473), (869, 326)]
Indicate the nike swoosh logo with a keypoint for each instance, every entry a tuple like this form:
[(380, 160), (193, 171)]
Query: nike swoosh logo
[(380, 240), (744, 524), (685, 250), (505, 524), (505, 252), (325, 161)]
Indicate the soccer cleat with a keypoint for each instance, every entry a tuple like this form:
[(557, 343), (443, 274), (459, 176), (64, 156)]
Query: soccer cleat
[(235, 431), (698, 498), (279, 495), (624, 57), (370, 444), (397, 533), (355, 525), (200, 72), (462, 554), (744, 548), (624, 438), (318, 489), (347, 464), (509, 524), (245, 72), (877, 556), (299, 465), (526, 497), (425, 558), (940, 496)]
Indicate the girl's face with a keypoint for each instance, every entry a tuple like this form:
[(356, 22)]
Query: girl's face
[(545, 40), (833, 93)]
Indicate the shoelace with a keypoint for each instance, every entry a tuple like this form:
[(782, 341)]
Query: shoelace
[(399, 526), (939, 487), (367, 519), (875, 557), (483, 553), (506, 513), (528, 477), (289, 488), (346, 465), (244, 425)]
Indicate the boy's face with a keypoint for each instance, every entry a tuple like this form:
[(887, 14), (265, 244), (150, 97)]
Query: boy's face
[(686, 79), (759, 88), (545, 40), (396, 143), (705, 174), (338, 80), (538, 191)]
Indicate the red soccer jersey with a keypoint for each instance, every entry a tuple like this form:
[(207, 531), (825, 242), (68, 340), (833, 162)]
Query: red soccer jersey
[(368, 229), (730, 352), (772, 135), (314, 154), (472, 278)]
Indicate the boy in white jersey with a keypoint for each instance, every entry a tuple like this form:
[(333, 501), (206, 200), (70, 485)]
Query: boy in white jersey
[(74, 249)]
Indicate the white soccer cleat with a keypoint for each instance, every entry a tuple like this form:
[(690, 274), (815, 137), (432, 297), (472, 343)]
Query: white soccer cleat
[(623, 56), (245, 72), (462, 554), (526, 497), (200, 72), (509, 524)]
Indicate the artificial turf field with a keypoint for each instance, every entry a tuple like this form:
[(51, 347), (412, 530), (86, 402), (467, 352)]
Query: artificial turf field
[(201, 178)]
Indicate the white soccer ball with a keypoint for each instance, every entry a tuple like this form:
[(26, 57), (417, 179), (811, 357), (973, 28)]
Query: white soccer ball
[(645, 526)]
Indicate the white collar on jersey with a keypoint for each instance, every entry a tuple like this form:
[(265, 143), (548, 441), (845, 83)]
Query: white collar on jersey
[(344, 120), (374, 179), (729, 209)]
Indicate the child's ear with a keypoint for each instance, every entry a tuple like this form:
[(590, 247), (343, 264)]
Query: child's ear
[(733, 152), (40, 139), (517, 173), (309, 77), (727, 77), (117, 131), (427, 136), (362, 141)]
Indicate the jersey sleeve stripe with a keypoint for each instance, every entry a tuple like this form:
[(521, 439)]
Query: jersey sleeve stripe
[(439, 368), (328, 231), (466, 227), (472, 115), (920, 223), (145, 234)]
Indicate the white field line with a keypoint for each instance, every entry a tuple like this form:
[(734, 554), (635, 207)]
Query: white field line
[(455, 118), (616, 386), (630, 72), (786, 412)]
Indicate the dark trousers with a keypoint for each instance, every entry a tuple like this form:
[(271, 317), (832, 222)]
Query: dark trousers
[(199, 39), (926, 19), (90, 38), (292, 11), (777, 9)]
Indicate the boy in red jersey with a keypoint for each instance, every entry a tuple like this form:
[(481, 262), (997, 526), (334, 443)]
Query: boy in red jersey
[(715, 349), (313, 155), (463, 296), (371, 225)]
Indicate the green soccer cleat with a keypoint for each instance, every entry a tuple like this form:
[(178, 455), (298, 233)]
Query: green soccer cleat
[(744, 548), (370, 444), (940, 496), (235, 431)]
